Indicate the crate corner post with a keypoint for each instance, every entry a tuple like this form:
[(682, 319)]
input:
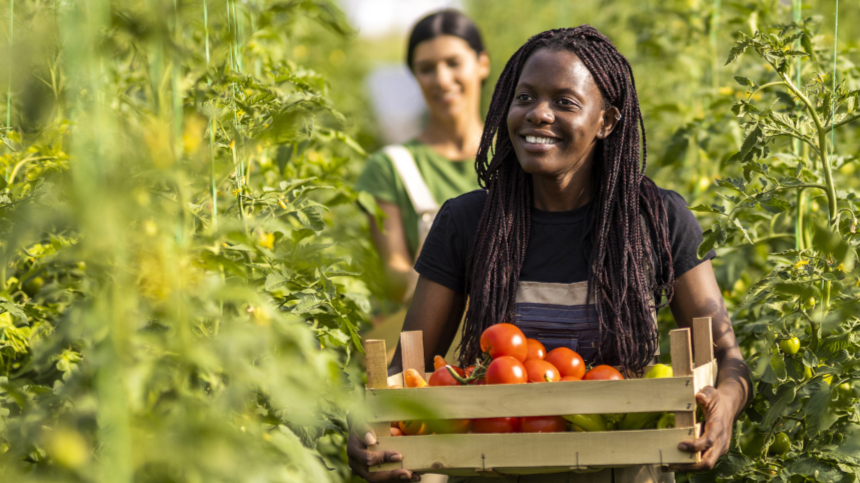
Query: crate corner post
[(377, 377), (682, 365)]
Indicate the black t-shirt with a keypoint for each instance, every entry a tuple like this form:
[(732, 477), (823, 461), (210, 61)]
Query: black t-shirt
[(558, 247)]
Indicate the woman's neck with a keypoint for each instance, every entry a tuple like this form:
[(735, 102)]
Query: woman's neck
[(563, 193), (457, 138)]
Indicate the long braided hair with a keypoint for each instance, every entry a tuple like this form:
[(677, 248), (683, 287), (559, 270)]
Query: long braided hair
[(622, 279)]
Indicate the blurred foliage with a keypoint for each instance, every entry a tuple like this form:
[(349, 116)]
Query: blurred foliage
[(174, 302)]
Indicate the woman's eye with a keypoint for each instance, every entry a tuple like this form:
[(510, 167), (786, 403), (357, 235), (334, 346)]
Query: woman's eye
[(453, 64), (523, 97), (566, 102)]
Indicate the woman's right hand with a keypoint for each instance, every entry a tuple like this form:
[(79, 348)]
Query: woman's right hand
[(361, 459)]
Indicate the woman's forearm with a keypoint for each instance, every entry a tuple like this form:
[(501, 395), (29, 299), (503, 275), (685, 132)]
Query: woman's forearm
[(733, 378)]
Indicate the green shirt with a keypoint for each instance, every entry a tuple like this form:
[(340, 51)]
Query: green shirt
[(444, 178)]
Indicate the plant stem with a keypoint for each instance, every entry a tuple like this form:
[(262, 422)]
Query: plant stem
[(798, 230), (822, 149), (9, 72), (843, 122)]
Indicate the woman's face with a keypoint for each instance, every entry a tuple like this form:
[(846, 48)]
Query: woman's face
[(450, 74), (557, 115)]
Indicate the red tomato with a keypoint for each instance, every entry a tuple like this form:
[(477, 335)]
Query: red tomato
[(504, 340), (543, 424), (603, 373), (571, 378), (567, 362), (496, 425), (506, 370), (441, 377), (449, 426), (412, 428), (542, 371), (536, 350)]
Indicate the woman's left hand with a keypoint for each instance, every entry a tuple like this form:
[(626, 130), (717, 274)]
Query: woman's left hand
[(719, 409)]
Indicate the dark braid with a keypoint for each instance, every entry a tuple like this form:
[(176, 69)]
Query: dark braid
[(623, 273)]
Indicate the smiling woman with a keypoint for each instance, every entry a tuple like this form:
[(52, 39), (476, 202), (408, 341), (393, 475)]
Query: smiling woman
[(570, 240), (446, 55)]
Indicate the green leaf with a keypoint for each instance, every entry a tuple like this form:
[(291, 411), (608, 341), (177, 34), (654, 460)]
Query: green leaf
[(274, 281), (774, 205), (311, 218), (740, 47), (744, 81), (708, 209), (775, 373), (743, 230), (711, 239), (785, 395)]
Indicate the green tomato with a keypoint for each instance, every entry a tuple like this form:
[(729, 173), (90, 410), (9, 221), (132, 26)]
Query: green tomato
[(32, 286), (807, 373), (781, 445), (790, 347), (844, 389), (809, 303)]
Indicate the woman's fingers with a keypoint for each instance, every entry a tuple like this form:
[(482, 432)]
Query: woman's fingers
[(714, 441), (361, 460)]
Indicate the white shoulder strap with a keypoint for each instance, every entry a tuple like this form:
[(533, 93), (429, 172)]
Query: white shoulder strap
[(420, 195)]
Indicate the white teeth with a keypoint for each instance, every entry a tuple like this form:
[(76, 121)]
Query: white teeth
[(537, 140)]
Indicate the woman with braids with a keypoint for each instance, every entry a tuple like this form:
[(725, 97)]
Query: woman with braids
[(570, 240)]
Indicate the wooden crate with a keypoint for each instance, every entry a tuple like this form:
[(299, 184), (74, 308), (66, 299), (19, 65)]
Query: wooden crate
[(533, 453)]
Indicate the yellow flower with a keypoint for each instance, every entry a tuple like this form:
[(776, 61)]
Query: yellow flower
[(235, 192), (725, 91), (800, 264), (267, 240), (841, 267)]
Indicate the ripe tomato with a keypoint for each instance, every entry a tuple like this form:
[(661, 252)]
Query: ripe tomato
[(396, 432), (412, 428), (571, 378), (496, 425), (505, 340), (603, 373), (567, 362), (536, 350), (542, 371), (449, 426), (441, 377), (506, 370), (543, 424)]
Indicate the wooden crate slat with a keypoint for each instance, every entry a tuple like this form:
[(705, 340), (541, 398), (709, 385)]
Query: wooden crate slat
[(377, 376), (705, 375), (543, 399), (482, 452), (412, 350), (703, 341)]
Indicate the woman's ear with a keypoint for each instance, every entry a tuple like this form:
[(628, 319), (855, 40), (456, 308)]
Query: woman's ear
[(483, 65), (611, 117)]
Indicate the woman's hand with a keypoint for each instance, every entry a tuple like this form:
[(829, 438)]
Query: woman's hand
[(360, 459), (719, 408)]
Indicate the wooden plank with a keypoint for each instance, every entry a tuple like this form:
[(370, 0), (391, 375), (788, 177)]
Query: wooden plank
[(377, 377), (682, 365), (574, 397), (703, 341), (412, 350), (704, 376), (493, 452)]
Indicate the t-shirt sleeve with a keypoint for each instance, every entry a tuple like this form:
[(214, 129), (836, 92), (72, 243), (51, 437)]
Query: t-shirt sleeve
[(443, 257), (685, 234), (378, 178)]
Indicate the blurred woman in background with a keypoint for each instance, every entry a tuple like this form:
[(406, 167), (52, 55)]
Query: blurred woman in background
[(410, 181)]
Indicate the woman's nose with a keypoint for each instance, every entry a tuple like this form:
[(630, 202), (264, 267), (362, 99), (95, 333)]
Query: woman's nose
[(541, 114), (444, 77)]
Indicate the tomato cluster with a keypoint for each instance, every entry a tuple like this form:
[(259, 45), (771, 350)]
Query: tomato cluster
[(509, 358)]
